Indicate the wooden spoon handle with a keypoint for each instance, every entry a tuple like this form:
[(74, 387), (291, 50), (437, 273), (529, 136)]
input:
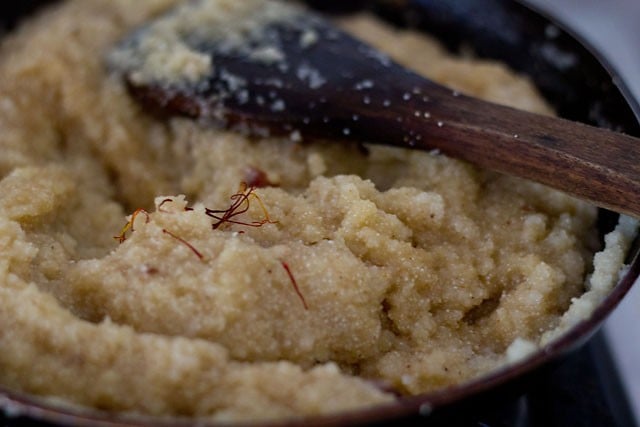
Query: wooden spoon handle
[(338, 87), (591, 163)]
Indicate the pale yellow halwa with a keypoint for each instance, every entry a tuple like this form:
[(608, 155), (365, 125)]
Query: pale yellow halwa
[(412, 269)]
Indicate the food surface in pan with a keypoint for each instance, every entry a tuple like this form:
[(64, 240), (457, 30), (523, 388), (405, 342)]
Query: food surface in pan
[(261, 278)]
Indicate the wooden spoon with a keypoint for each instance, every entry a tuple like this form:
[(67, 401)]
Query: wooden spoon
[(279, 69)]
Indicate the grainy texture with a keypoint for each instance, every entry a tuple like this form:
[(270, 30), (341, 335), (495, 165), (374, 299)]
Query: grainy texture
[(417, 270)]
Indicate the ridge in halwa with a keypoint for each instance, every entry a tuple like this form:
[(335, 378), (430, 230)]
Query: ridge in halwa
[(387, 266)]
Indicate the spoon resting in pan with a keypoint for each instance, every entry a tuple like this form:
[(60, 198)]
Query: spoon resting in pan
[(271, 68)]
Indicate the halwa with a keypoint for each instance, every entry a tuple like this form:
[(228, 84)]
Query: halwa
[(349, 269)]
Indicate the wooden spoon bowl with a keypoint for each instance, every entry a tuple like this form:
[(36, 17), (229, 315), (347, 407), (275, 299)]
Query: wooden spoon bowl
[(336, 87)]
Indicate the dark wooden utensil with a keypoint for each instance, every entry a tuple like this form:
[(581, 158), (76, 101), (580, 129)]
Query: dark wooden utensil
[(322, 83)]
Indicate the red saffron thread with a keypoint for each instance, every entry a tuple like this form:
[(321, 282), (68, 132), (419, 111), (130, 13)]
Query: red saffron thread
[(240, 204), (122, 237), (165, 201), (169, 200), (295, 284), (184, 242)]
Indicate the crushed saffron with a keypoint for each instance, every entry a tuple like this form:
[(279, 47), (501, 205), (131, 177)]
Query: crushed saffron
[(255, 177)]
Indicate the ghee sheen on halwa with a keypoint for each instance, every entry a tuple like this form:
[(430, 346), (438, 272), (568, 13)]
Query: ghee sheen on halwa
[(350, 269)]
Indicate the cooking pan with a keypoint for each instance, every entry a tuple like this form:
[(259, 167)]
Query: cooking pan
[(573, 77)]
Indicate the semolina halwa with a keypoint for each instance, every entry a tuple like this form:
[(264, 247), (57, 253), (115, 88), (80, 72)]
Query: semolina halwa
[(407, 269)]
